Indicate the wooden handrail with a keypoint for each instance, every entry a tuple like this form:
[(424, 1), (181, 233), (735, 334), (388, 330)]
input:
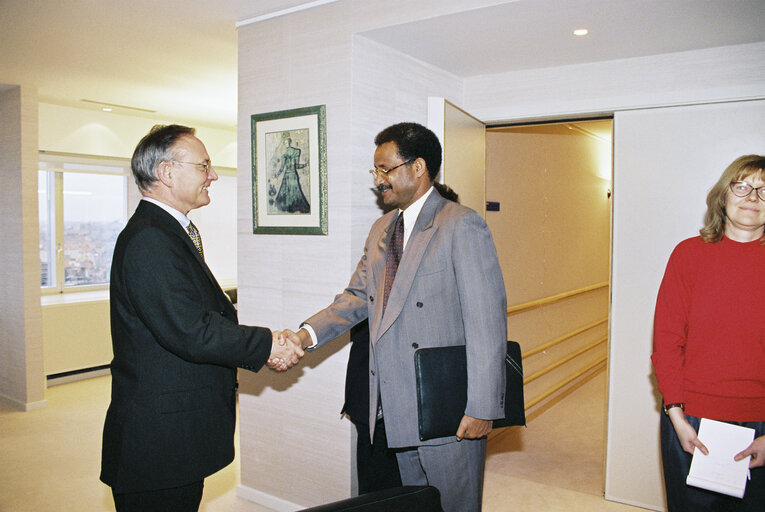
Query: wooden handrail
[(549, 368), (560, 339), (541, 348), (553, 298), (563, 383)]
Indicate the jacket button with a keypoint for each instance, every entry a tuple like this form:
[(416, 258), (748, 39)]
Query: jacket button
[(419, 304), (415, 345), (371, 299), (372, 372)]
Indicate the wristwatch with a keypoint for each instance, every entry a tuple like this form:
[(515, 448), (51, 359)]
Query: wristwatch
[(667, 407)]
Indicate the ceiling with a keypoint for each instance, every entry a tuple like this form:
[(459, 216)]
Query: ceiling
[(181, 64)]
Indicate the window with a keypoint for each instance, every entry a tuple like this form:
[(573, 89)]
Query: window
[(82, 209), (45, 192)]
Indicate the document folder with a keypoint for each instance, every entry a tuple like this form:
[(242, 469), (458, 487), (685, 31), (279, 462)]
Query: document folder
[(441, 374)]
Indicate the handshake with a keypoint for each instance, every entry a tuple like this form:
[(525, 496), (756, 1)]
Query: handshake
[(287, 349)]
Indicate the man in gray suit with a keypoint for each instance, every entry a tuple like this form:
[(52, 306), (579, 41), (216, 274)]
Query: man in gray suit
[(448, 290)]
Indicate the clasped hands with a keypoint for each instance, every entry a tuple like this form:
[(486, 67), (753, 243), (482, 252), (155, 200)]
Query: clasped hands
[(286, 350)]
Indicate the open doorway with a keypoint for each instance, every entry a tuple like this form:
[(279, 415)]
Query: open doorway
[(552, 183)]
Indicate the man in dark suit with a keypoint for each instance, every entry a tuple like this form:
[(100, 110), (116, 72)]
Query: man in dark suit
[(176, 339), (433, 281), (376, 465)]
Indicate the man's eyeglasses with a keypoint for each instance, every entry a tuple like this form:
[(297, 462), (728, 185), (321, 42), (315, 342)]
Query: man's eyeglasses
[(205, 166), (379, 171), (743, 189)]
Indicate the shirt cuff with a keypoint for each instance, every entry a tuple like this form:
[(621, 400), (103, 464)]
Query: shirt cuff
[(311, 333)]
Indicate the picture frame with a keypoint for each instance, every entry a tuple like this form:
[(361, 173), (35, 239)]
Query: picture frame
[(289, 172)]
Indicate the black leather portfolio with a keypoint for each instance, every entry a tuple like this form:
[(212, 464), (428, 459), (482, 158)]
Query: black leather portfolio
[(441, 374)]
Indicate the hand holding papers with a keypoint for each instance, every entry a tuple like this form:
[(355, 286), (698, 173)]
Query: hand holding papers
[(756, 453), (718, 471)]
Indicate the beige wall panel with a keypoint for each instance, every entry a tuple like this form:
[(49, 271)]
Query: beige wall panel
[(21, 356), (464, 151), (657, 152), (552, 234), (284, 279), (553, 227), (536, 326), (290, 424), (76, 336)]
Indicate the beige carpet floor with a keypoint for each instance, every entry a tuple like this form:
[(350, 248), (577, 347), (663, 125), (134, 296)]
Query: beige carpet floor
[(564, 446), (49, 458)]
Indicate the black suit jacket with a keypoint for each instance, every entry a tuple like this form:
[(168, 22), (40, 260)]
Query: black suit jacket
[(177, 343), (356, 379)]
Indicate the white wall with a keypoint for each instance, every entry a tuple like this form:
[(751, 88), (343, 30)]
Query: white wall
[(657, 153), (725, 73)]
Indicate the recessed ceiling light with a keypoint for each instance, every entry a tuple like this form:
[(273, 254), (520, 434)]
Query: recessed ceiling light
[(581, 32), (104, 105), (107, 109)]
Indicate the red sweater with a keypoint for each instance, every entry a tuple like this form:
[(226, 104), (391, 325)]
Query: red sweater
[(709, 330)]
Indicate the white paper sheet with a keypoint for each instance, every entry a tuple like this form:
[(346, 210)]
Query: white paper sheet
[(718, 471)]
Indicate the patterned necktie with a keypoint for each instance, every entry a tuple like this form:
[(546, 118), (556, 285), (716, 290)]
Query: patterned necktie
[(194, 235), (393, 256)]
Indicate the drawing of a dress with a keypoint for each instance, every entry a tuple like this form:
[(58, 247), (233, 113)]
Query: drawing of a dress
[(290, 197)]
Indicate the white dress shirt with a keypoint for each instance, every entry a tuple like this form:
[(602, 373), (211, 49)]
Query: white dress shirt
[(181, 218)]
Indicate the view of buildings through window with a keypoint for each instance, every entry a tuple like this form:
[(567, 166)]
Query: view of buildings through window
[(45, 193), (82, 209)]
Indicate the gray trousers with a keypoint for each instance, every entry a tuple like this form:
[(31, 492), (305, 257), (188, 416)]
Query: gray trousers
[(455, 469)]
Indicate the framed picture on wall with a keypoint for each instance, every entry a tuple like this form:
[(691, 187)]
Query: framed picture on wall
[(289, 172)]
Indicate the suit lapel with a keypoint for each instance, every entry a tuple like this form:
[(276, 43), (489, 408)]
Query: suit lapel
[(174, 228), (422, 233)]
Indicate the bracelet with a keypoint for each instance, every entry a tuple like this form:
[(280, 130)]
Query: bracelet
[(667, 407)]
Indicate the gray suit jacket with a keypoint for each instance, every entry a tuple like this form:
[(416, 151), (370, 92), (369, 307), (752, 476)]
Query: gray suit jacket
[(448, 291)]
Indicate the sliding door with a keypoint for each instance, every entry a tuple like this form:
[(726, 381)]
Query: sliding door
[(665, 161)]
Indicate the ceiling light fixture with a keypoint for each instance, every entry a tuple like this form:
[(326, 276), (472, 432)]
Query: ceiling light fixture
[(112, 106), (581, 32)]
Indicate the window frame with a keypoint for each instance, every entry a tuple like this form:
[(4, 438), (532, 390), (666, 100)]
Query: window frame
[(54, 163)]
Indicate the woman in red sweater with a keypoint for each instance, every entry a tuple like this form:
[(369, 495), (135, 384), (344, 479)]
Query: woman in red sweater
[(709, 337)]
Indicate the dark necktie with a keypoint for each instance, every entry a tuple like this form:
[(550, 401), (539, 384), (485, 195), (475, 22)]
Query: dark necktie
[(393, 256), (194, 235)]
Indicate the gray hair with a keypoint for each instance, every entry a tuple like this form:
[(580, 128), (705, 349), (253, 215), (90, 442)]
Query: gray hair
[(153, 149)]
